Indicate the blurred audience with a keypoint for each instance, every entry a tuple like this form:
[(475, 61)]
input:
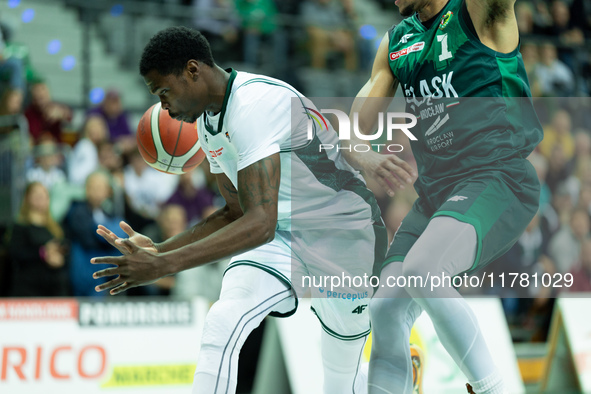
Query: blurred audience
[(143, 200), (112, 111), (555, 78), (193, 195), (48, 165), (81, 223), (327, 24), (565, 245), (581, 272), (259, 26), (558, 134), (44, 115), (84, 158), (219, 22), (37, 249)]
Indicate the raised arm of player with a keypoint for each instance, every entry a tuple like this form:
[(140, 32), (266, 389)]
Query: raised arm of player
[(247, 221), (389, 171), (495, 22)]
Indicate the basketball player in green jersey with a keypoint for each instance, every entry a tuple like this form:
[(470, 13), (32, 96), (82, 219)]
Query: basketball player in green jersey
[(477, 192)]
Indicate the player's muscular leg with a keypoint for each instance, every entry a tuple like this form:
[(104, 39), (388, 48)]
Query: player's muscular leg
[(248, 295), (449, 246), (393, 313)]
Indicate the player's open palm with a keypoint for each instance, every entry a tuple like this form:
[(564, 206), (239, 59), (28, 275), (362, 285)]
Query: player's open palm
[(135, 238)]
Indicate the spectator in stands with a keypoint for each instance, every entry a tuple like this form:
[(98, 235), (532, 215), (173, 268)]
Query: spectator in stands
[(84, 157), (111, 109), (328, 31), (559, 134), (582, 156), (524, 13), (218, 21), (13, 70), (81, 223), (171, 221), (259, 24), (569, 34), (584, 201), (581, 272), (48, 169), (111, 160), (556, 79), (36, 248), (530, 54), (196, 200), (143, 199), (565, 245), (556, 215), (44, 115)]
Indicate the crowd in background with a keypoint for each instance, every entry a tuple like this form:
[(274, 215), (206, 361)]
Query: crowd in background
[(78, 178)]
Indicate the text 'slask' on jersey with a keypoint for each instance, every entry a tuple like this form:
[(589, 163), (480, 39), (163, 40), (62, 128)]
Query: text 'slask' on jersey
[(440, 69)]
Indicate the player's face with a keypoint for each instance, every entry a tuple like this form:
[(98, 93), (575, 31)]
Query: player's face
[(185, 98), (409, 7)]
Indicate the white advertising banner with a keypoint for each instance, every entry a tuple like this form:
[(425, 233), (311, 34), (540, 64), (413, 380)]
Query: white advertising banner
[(300, 339), (64, 346)]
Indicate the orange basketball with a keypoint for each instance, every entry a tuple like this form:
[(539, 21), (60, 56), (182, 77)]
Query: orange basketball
[(166, 144)]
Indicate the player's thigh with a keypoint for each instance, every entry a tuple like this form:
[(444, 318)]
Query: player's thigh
[(263, 271), (345, 259), (498, 213), (411, 228)]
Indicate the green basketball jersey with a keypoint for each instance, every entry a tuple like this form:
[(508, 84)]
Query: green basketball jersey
[(473, 104)]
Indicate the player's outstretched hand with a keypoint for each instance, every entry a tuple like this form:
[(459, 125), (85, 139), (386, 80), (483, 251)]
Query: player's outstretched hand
[(135, 238), (137, 267), (389, 171)]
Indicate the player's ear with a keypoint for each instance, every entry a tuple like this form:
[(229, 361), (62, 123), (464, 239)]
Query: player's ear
[(193, 68)]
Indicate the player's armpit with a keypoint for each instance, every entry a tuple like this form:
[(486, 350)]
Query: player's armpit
[(495, 23), (258, 194)]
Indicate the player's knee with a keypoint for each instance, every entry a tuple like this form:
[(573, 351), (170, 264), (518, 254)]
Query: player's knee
[(386, 311), (221, 321)]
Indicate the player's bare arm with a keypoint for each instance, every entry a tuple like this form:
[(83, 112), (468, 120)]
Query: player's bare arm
[(257, 197), (495, 23), (389, 171), (222, 217)]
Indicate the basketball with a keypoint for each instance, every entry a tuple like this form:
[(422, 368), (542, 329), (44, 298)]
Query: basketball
[(166, 144)]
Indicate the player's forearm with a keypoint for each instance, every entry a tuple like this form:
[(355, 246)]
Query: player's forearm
[(245, 233), (206, 227)]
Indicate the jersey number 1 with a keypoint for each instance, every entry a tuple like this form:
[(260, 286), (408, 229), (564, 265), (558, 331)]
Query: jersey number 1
[(445, 53)]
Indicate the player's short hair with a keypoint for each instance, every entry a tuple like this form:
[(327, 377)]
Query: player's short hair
[(170, 49)]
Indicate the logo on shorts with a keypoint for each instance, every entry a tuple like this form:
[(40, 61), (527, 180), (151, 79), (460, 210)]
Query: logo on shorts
[(359, 310), (458, 198)]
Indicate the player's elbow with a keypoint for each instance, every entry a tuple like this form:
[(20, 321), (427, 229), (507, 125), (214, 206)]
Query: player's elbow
[(262, 228)]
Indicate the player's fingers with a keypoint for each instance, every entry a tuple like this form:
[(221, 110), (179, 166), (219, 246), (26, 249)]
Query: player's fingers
[(107, 260), (121, 288), (109, 285), (111, 239), (404, 165), (126, 243), (389, 177), (127, 228), (400, 172), (106, 272), (386, 186)]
